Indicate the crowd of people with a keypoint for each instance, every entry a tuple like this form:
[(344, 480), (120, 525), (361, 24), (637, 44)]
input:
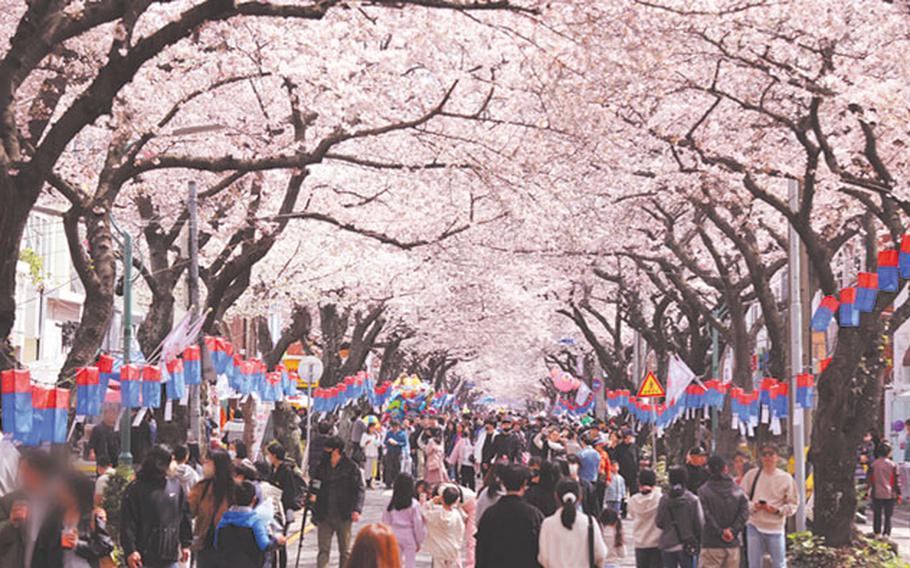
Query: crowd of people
[(492, 491), (503, 491)]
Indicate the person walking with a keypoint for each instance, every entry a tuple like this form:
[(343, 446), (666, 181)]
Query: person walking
[(155, 526), (434, 460), (339, 501), (184, 472), (615, 489), (509, 531), (396, 447), (104, 441), (626, 453), (680, 518), (772, 498), (696, 472), (588, 470), (462, 457), (403, 515), (643, 508), (370, 441), (884, 489), (726, 510), (445, 524), (567, 541), (613, 538), (208, 501)]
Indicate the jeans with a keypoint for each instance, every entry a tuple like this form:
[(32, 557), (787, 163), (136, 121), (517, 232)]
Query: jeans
[(614, 505), (677, 559), (880, 506), (758, 543), (466, 476), (647, 558), (324, 532)]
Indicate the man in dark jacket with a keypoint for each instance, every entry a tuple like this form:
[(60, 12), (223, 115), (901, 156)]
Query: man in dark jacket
[(155, 526), (104, 441), (486, 451), (695, 468), (726, 511), (627, 455), (339, 501), (509, 531), (507, 444), (680, 519), (316, 452)]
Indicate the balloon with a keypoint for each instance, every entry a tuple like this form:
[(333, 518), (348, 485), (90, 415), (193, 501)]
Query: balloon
[(566, 382), (898, 426)]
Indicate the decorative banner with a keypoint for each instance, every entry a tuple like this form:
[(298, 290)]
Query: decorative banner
[(904, 257), (17, 402)]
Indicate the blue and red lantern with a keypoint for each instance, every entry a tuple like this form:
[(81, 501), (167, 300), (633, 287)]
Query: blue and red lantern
[(903, 261), (175, 388), (192, 365), (60, 413), (866, 291), (805, 390), (17, 402), (151, 386), (88, 385), (888, 272), (849, 313), (824, 313), (130, 386)]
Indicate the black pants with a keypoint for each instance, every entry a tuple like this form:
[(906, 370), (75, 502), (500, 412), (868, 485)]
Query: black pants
[(466, 476), (648, 558), (880, 506)]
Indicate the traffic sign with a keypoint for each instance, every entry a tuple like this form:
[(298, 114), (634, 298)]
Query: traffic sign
[(651, 387)]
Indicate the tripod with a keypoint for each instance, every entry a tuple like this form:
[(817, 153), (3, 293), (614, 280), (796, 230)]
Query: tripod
[(312, 490)]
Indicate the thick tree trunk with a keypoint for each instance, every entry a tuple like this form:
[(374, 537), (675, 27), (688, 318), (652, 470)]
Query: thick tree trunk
[(99, 281), (158, 321), (286, 429), (16, 204), (848, 396)]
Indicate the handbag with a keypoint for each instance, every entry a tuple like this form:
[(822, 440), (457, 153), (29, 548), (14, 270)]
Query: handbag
[(690, 546)]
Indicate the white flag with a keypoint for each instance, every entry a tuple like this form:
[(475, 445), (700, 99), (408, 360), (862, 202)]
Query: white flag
[(581, 396), (679, 375)]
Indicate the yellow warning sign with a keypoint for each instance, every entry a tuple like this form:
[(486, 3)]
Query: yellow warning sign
[(650, 387)]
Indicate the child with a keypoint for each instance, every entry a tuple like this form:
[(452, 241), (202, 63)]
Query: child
[(615, 490), (241, 538), (370, 443), (445, 529), (613, 537)]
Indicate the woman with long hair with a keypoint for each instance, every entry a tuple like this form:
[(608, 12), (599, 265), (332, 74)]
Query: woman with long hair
[(491, 491), (613, 537), (565, 539), (404, 518), (208, 501), (461, 458), (374, 547)]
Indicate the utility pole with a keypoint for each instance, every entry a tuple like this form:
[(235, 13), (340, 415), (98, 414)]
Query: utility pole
[(193, 286), (715, 364), (796, 359), (126, 421)]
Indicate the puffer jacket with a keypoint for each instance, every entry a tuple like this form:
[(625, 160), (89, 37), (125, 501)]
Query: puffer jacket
[(725, 506), (155, 520), (680, 518)]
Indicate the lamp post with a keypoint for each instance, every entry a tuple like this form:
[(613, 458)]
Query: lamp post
[(310, 368), (126, 456)]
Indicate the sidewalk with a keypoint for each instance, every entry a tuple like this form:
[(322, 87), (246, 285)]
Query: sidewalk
[(900, 528)]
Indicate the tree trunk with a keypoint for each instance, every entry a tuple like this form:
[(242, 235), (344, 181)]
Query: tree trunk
[(13, 216), (848, 395), (286, 429), (99, 280), (158, 321)]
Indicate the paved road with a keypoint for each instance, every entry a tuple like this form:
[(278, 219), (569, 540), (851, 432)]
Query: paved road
[(376, 501)]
